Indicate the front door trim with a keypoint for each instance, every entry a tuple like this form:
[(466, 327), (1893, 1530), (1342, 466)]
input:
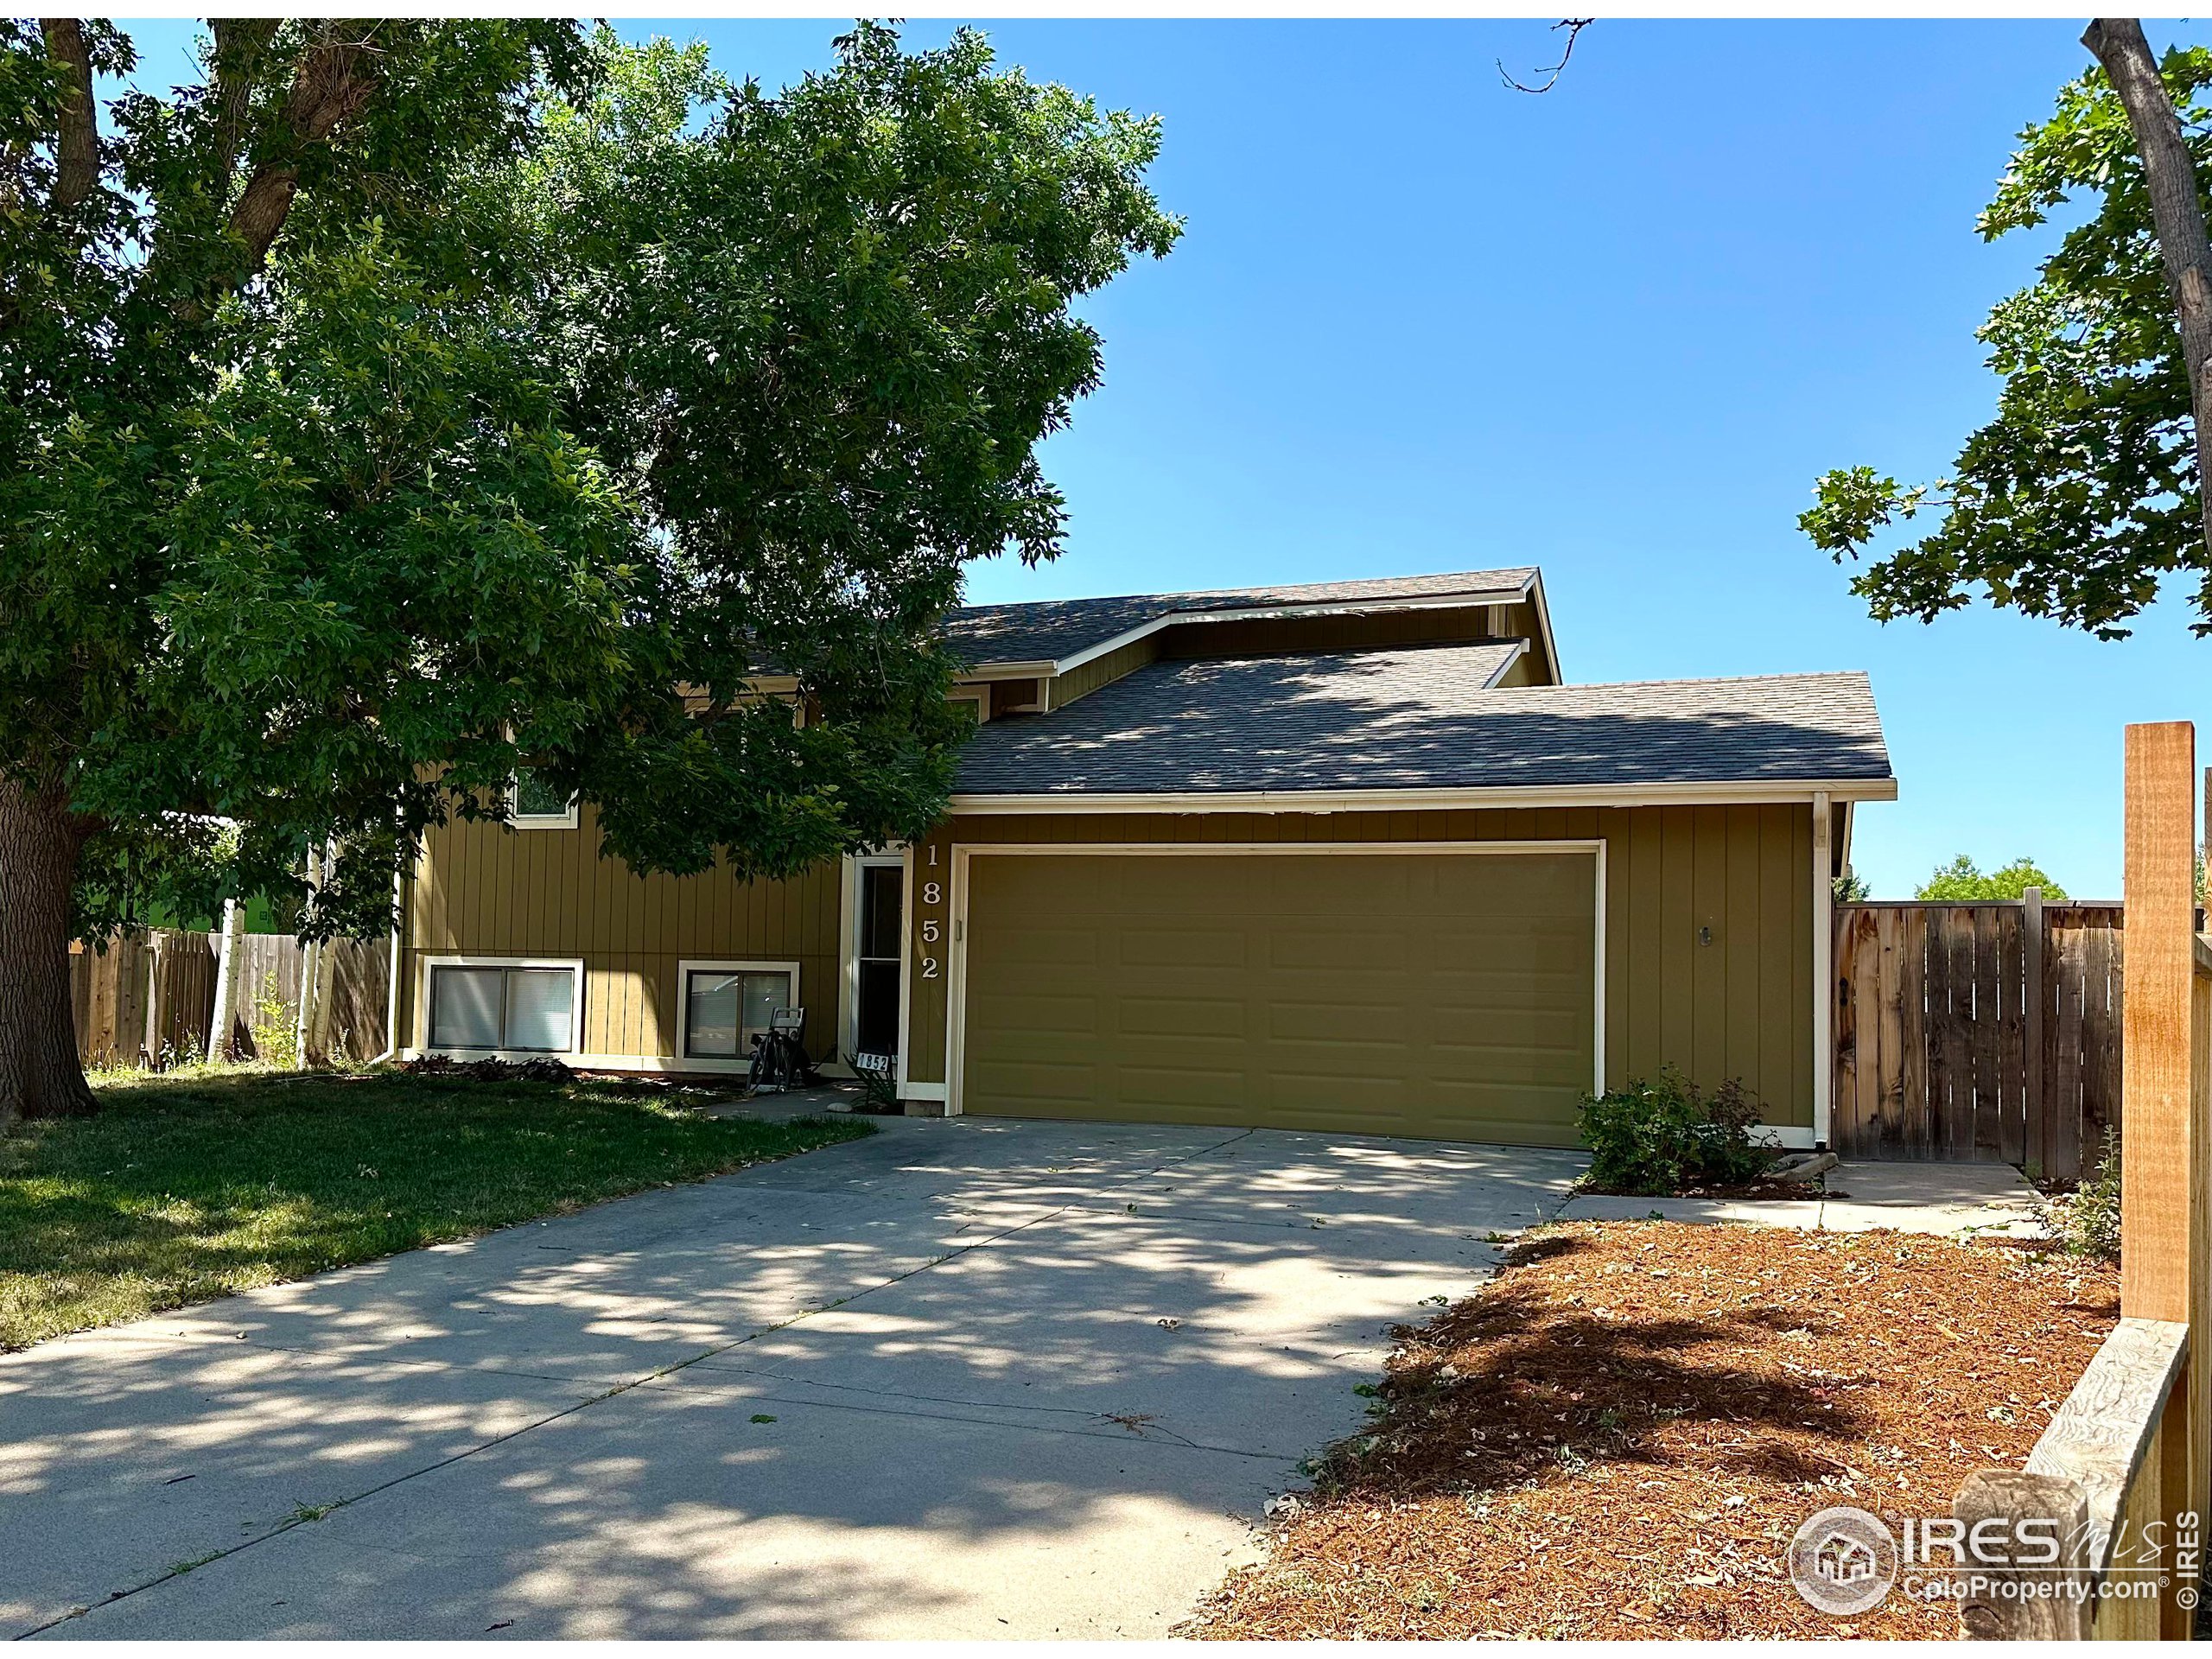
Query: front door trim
[(955, 1036)]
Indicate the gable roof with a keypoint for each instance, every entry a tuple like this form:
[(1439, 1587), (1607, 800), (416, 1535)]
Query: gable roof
[(1421, 718), (1041, 632)]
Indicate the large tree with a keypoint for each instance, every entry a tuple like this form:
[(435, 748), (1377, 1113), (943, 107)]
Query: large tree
[(407, 404), (2081, 500)]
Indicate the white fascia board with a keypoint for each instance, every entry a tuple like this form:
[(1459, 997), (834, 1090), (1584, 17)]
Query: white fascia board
[(1520, 650), (1276, 612), (1354, 800), (1534, 591)]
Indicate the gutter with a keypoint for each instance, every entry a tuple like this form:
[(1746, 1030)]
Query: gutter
[(1354, 800)]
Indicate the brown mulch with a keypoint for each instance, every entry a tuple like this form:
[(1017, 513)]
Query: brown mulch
[(1619, 1435)]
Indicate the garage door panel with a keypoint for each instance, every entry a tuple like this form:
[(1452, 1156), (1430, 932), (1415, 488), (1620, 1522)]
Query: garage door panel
[(1188, 1085), (1446, 994), (1181, 1016), (1185, 949)]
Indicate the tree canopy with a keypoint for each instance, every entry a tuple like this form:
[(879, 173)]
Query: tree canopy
[(408, 403), (2078, 501), (1961, 882)]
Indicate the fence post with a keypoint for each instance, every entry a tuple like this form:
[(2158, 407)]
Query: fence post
[(2037, 1108), (2164, 1156)]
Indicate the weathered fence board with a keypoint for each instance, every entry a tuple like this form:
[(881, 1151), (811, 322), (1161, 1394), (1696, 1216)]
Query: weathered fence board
[(1987, 1032), (148, 998)]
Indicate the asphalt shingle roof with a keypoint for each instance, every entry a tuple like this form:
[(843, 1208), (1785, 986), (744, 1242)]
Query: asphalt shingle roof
[(1417, 717), (1048, 630)]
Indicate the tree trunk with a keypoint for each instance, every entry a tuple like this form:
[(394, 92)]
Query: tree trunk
[(39, 1075), (222, 1029), (2177, 211)]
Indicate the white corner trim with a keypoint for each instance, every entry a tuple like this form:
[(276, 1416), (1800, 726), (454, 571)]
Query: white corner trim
[(1354, 800), (1534, 592), (574, 965), (1823, 967), (685, 968)]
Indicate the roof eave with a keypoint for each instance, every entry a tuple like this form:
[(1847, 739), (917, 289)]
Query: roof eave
[(1678, 793)]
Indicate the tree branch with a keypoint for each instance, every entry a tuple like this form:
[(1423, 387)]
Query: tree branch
[(77, 147), (2177, 210), (1573, 26), (239, 42), (337, 75)]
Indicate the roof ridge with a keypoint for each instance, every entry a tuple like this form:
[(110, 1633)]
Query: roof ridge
[(1522, 570)]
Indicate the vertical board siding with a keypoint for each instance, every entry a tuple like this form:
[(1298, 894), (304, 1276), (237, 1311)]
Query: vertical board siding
[(1739, 1006), (1931, 1032), (481, 889)]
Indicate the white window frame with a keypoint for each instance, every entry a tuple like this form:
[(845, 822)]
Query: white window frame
[(520, 820), (978, 695), (849, 953), (684, 1060), (574, 965)]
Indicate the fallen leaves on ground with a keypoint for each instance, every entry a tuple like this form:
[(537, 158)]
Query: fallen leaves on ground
[(1619, 1435)]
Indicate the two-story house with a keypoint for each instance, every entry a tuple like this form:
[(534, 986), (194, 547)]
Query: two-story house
[(1351, 857)]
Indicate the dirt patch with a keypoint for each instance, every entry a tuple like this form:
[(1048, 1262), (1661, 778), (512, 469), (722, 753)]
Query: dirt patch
[(1619, 1435)]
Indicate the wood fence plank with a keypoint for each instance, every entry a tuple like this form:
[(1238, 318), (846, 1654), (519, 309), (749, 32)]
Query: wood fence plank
[(2034, 1003), (1982, 1034), (1845, 1132), (1912, 1045), (2063, 1059), (1866, 1023), (2012, 983), (1935, 1014), (1958, 1049), (1890, 1028)]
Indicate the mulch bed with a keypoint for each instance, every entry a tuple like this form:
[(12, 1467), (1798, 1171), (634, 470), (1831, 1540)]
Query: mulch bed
[(1619, 1435)]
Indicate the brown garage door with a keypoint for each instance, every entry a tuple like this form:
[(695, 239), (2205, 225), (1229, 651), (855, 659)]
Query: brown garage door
[(1447, 994)]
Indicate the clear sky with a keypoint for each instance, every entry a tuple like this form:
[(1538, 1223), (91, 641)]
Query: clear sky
[(1421, 322)]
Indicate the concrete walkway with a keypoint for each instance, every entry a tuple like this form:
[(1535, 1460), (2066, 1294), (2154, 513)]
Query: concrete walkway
[(1945, 1199), (966, 1378)]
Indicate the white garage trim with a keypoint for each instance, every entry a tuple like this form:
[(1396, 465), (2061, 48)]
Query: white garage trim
[(955, 1036)]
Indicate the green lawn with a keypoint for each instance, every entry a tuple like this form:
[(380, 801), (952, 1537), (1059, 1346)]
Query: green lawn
[(191, 1186)]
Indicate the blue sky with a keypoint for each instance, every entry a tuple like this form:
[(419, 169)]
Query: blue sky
[(1420, 322)]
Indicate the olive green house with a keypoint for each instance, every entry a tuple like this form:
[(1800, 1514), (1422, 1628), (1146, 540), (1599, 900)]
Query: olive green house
[(1351, 857)]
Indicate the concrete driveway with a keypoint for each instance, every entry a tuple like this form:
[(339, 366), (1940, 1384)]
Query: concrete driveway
[(965, 1378)]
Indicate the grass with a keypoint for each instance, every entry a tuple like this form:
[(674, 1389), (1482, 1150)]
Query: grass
[(190, 1187)]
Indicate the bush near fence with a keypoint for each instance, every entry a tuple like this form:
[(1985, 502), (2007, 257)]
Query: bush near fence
[(148, 998)]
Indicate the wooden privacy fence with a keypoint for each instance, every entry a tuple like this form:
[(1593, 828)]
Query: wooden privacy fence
[(2122, 1471), (1978, 1031), (149, 998)]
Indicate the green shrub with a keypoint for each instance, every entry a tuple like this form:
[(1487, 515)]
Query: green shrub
[(1660, 1137), (2087, 1223), (276, 1038)]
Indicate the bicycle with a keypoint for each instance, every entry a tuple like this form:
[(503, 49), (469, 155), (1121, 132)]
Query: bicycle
[(780, 1060)]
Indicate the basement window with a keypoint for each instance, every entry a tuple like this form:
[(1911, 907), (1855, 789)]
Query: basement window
[(728, 1004), (504, 1007)]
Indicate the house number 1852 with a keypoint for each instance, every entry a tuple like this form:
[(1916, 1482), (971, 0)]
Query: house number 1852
[(933, 929)]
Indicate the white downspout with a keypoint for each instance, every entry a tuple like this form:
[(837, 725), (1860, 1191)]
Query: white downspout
[(1823, 967)]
